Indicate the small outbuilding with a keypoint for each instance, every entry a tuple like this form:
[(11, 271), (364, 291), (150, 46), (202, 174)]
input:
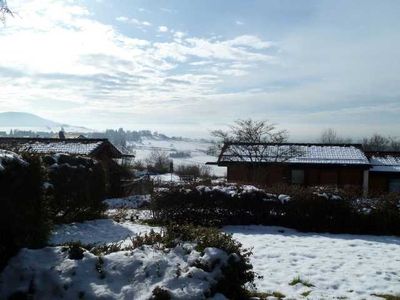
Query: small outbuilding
[(295, 163), (385, 171), (100, 149)]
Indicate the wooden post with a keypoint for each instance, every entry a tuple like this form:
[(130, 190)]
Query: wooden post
[(365, 182)]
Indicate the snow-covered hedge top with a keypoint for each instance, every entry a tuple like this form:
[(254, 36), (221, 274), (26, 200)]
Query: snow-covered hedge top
[(238, 190), (315, 154), (8, 156)]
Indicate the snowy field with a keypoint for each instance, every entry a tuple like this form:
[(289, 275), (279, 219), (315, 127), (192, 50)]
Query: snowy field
[(197, 150), (337, 265)]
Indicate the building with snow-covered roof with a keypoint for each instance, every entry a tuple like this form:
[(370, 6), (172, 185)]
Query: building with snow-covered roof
[(385, 171), (100, 150), (295, 163), (95, 148)]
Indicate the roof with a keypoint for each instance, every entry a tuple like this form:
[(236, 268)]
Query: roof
[(293, 153), (86, 147), (385, 162)]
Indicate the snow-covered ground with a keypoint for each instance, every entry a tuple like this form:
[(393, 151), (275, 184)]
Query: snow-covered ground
[(337, 265), (197, 150), (119, 275), (97, 232)]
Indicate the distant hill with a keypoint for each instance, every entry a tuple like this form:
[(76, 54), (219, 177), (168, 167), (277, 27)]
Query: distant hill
[(21, 119), (28, 121)]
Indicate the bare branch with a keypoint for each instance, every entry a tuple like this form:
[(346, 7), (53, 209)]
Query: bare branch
[(4, 11)]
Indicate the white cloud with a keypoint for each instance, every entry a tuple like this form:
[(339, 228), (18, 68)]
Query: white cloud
[(122, 19), (59, 61), (132, 21), (77, 66), (237, 22), (162, 28)]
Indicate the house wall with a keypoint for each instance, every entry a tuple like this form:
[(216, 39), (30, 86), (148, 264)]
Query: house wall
[(380, 181), (281, 174)]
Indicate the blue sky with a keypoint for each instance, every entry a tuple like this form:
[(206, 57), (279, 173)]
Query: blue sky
[(187, 67)]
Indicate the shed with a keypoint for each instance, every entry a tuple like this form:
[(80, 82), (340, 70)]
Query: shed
[(295, 163), (385, 171)]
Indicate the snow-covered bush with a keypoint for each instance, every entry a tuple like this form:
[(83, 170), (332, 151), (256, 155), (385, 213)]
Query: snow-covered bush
[(76, 188), (195, 171), (23, 217), (213, 206), (182, 262), (307, 209), (237, 271)]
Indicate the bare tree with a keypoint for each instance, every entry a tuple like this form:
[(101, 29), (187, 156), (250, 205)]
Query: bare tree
[(4, 11), (158, 161), (254, 141), (376, 142), (394, 144), (330, 136)]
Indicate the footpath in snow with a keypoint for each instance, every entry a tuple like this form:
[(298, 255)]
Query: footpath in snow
[(333, 265)]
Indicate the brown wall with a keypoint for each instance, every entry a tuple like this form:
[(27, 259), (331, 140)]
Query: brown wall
[(242, 173), (379, 181), (275, 174)]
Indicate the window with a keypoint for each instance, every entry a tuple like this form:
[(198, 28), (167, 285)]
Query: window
[(394, 185), (297, 176)]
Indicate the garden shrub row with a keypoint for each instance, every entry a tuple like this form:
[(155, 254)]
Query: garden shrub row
[(75, 188), (38, 192), (305, 209), (24, 219)]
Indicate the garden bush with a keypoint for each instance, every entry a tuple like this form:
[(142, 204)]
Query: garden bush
[(311, 209), (195, 171), (76, 188), (24, 219), (237, 274)]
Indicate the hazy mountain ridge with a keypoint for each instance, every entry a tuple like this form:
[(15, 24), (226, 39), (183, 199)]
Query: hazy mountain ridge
[(31, 122)]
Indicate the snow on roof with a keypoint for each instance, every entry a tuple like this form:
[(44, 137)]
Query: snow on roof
[(60, 147), (79, 146), (293, 153), (387, 163)]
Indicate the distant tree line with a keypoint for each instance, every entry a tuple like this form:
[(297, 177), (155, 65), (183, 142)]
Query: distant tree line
[(118, 137), (376, 142)]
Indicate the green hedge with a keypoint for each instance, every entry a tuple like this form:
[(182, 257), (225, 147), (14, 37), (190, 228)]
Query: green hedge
[(307, 209), (24, 219), (76, 188)]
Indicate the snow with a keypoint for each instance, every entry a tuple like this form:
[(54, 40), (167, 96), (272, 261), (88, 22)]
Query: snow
[(97, 232), (164, 178), (316, 154), (385, 164), (60, 147), (338, 265), (197, 150), (126, 274), (134, 201), (7, 156)]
